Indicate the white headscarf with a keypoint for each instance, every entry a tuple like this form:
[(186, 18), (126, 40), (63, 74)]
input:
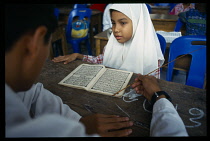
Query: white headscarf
[(141, 53)]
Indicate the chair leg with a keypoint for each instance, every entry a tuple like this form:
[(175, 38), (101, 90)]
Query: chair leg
[(176, 72), (76, 47), (88, 47)]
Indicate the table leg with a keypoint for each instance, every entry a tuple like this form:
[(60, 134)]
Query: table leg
[(98, 49)]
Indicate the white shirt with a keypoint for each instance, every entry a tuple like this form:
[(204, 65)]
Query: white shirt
[(39, 113)]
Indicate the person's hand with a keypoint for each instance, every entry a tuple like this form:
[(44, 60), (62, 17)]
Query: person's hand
[(67, 58), (146, 85), (107, 125)]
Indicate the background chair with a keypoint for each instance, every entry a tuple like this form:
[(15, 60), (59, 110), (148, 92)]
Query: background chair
[(178, 25), (183, 45), (172, 5), (56, 12), (149, 8), (81, 13), (161, 4), (162, 43), (80, 6)]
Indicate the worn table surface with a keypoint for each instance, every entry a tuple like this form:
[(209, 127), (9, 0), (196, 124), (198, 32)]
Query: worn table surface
[(160, 9), (184, 97)]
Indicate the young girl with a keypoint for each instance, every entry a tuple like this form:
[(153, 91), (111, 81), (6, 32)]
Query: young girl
[(133, 44), (181, 7)]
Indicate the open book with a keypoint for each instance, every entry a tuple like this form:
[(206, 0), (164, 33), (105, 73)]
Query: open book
[(98, 79)]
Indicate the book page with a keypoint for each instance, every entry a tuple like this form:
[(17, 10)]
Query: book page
[(82, 76), (111, 82)]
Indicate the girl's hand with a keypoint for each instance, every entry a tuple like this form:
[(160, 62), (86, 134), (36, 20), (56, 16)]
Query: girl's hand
[(67, 58)]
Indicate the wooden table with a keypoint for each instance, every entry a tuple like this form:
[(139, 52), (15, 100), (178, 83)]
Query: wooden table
[(185, 97), (101, 40), (160, 9), (95, 24), (165, 22), (59, 34)]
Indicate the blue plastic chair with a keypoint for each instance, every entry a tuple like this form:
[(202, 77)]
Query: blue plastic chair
[(149, 8), (80, 6), (81, 13), (172, 5), (162, 43), (183, 45), (178, 25), (161, 4), (56, 12)]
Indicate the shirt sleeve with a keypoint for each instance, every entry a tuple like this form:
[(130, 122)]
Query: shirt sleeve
[(166, 121), (40, 101), (50, 125), (94, 59), (49, 116)]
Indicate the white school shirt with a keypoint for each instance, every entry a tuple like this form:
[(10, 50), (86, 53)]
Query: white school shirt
[(39, 113)]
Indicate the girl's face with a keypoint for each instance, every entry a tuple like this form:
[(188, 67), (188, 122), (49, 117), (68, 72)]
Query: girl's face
[(122, 27)]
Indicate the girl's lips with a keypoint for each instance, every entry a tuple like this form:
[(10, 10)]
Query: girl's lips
[(118, 37)]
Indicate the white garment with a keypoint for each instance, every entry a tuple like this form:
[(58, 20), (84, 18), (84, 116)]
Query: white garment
[(51, 118), (141, 53), (106, 18), (39, 113), (165, 120)]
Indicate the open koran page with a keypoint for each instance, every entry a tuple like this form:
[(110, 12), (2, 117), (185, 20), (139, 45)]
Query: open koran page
[(98, 79)]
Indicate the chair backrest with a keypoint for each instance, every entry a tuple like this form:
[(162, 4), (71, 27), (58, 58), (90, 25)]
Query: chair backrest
[(56, 12), (178, 25), (162, 43), (161, 4), (172, 5), (183, 45), (80, 6), (149, 8), (81, 13)]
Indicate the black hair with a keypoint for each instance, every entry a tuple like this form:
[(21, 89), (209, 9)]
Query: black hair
[(24, 18)]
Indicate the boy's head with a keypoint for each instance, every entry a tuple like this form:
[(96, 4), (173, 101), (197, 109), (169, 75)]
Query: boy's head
[(28, 29), (122, 27), (23, 18)]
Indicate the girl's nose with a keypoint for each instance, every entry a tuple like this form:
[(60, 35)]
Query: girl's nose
[(116, 29)]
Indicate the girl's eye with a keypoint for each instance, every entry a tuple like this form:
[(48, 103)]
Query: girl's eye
[(123, 23), (113, 23)]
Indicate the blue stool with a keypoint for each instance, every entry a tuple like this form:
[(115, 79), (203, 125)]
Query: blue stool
[(183, 45), (75, 42)]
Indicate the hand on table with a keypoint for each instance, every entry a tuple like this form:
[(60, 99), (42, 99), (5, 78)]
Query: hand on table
[(67, 58), (107, 125), (146, 85)]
